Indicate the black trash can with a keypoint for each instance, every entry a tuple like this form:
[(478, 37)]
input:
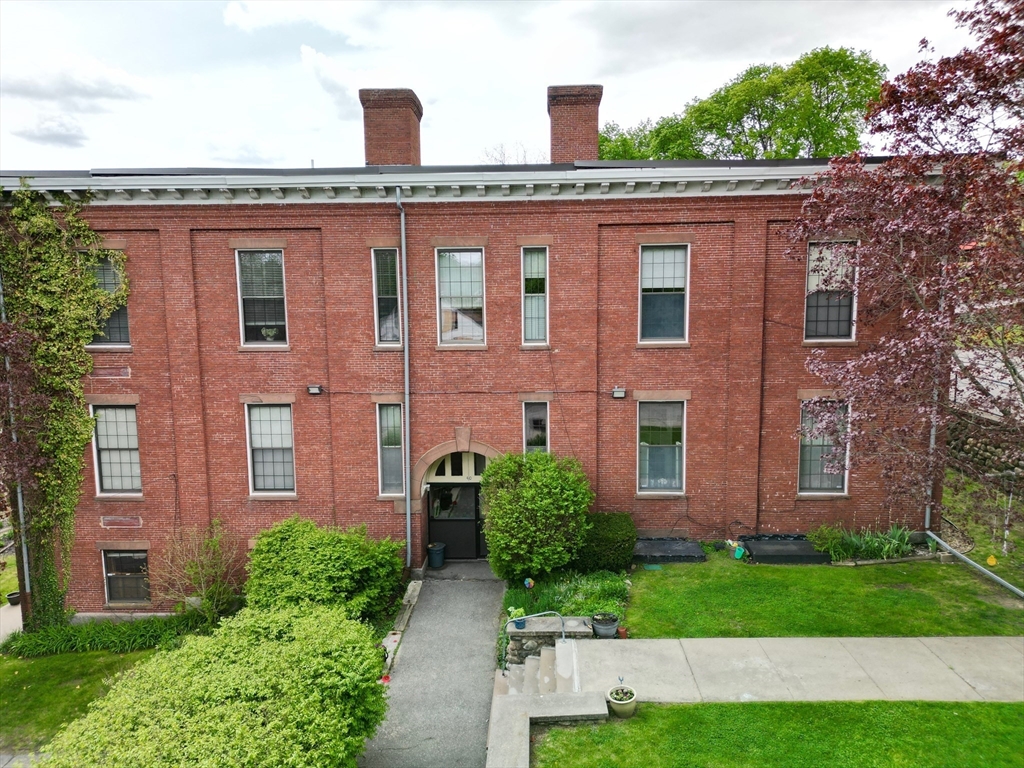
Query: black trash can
[(435, 555)]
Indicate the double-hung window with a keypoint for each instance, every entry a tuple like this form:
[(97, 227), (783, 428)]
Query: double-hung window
[(271, 458), (460, 295), (663, 278), (830, 300), (117, 449), (815, 454), (392, 463), (385, 288), (261, 297), (660, 459), (115, 329), (535, 427), (535, 295), (127, 576)]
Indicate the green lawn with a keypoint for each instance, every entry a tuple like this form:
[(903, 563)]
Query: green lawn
[(963, 501), (726, 598), (8, 578), (38, 695), (786, 735)]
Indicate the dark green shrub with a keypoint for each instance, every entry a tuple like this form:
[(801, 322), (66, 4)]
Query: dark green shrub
[(116, 637), (608, 544), (296, 562), (831, 539), (536, 512), (289, 687)]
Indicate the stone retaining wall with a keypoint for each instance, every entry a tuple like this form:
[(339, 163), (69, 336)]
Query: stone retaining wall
[(543, 631)]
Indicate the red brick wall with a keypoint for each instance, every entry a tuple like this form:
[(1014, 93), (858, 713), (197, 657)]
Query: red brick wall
[(743, 365)]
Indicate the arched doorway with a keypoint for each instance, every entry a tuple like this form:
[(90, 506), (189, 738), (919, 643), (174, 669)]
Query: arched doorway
[(454, 514)]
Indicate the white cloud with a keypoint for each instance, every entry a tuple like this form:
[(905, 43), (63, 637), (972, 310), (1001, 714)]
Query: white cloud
[(331, 77), (55, 131)]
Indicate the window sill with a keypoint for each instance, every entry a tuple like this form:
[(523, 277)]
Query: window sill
[(127, 606), (461, 348), (660, 495), (830, 342), (821, 496), (391, 497), (388, 347), (265, 348), (110, 348), (530, 347), (119, 497), (273, 497), (663, 345)]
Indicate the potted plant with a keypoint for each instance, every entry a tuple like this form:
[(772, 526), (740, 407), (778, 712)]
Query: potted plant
[(13, 598), (605, 624), (515, 615), (622, 700)]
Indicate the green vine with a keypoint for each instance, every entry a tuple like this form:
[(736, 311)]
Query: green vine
[(54, 307)]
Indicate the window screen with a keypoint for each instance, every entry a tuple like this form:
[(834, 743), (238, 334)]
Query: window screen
[(392, 478), (261, 274), (663, 292), (813, 454), (115, 329), (829, 311), (127, 575), (535, 295), (117, 449), (386, 273), (270, 438), (661, 447), (460, 284), (535, 427)]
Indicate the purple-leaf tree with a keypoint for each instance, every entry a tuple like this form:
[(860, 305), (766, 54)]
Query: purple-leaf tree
[(931, 241)]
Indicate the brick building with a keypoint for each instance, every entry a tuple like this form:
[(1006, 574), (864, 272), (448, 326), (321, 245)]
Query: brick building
[(641, 316)]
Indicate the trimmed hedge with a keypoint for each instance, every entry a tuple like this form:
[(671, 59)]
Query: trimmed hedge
[(608, 545), (103, 635), (296, 562), (536, 512), (292, 687)]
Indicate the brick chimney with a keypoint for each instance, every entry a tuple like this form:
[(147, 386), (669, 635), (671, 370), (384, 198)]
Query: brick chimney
[(573, 111), (391, 126)]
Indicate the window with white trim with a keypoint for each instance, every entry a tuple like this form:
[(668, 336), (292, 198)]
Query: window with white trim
[(385, 290), (460, 295), (391, 458), (814, 454), (117, 449), (535, 295), (261, 297), (660, 459), (115, 328), (663, 279), (271, 457), (535, 427), (126, 573), (829, 310)]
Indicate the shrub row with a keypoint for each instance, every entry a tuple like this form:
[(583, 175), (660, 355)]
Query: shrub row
[(102, 635), (608, 544), (296, 563), (866, 545), (293, 686)]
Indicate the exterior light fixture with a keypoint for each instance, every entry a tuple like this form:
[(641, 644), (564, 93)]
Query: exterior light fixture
[(315, 389), (619, 393)]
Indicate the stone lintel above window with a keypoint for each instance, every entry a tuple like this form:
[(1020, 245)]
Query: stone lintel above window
[(387, 397), (811, 394), (115, 399), (536, 397), (528, 240), (664, 238), (130, 545), (278, 399), (662, 395), (257, 243)]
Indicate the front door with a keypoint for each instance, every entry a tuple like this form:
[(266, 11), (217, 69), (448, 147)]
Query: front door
[(456, 519)]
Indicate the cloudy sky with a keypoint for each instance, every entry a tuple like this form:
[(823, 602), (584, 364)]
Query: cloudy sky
[(173, 84)]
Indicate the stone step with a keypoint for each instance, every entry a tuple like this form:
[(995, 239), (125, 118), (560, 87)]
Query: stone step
[(531, 669), (565, 664), (516, 678), (508, 737), (546, 672), (500, 683)]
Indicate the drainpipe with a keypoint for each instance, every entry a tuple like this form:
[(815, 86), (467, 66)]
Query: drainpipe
[(406, 452), (14, 438)]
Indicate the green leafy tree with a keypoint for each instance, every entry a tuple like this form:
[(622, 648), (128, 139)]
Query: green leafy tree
[(54, 307), (813, 108), (536, 512)]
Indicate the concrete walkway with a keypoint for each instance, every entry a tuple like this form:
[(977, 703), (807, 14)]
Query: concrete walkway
[(808, 669), (443, 677)]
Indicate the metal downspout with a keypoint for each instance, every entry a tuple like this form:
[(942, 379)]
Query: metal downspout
[(14, 438), (406, 437)]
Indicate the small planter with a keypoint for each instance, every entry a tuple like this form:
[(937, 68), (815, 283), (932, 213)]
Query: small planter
[(519, 623), (623, 633), (605, 624), (14, 598), (622, 700)]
